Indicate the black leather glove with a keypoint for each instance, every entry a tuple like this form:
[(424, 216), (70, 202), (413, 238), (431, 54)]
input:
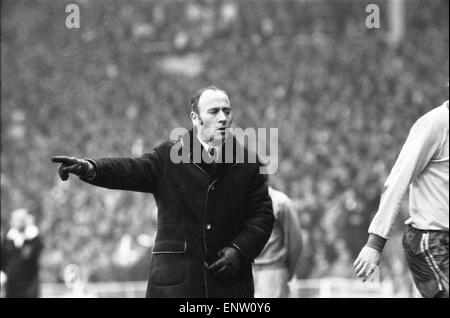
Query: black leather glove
[(228, 264), (79, 167)]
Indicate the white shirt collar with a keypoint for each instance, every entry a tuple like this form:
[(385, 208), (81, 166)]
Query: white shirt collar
[(31, 231), (208, 147)]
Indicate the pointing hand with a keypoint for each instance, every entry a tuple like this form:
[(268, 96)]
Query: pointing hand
[(79, 167)]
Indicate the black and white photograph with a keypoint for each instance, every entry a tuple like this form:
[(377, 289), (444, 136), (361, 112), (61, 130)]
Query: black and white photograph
[(239, 150)]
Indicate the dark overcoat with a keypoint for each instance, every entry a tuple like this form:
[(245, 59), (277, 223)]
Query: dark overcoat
[(21, 266), (202, 208)]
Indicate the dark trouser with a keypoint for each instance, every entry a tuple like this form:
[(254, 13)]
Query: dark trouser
[(426, 253)]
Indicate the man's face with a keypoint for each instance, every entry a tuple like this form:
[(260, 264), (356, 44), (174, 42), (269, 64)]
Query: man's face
[(19, 219), (214, 118)]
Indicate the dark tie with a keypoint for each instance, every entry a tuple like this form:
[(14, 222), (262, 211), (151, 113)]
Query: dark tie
[(212, 153)]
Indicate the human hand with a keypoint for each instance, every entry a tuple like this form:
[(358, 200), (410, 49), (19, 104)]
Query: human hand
[(366, 262), (79, 167), (227, 265)]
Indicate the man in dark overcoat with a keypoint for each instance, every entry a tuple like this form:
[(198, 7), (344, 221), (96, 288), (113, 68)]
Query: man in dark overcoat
[(20, 253), (214, 211)]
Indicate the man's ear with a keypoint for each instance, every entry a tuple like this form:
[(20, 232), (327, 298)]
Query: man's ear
[(194, 118)]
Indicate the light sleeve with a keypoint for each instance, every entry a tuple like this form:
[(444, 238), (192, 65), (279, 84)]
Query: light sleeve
[(420, 146)]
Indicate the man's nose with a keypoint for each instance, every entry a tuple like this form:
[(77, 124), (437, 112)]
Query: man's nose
[(222, 117)]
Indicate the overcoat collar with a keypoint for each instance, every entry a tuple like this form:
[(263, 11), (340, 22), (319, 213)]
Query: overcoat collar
[(232, 153)]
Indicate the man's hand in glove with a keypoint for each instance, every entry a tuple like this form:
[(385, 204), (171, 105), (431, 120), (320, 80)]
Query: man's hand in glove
[(228, 264), (79, 167)]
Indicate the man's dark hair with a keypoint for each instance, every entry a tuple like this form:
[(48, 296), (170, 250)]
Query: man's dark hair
[(198, 93)]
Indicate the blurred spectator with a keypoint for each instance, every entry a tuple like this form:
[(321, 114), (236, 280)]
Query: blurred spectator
[(276, 265), (21, 249)]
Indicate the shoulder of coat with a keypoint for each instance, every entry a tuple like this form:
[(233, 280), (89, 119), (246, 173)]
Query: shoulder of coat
[(168, 144)]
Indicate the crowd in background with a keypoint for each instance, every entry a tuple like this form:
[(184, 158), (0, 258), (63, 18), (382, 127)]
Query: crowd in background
[(340, 95)]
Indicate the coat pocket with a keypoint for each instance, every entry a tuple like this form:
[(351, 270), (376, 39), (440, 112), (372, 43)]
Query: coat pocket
[(169, 247), (168, 263)]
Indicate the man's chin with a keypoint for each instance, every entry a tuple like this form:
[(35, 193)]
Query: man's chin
[(219, 138), (224, 134)]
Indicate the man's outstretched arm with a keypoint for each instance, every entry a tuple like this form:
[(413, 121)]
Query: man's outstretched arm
[(135, 174)]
